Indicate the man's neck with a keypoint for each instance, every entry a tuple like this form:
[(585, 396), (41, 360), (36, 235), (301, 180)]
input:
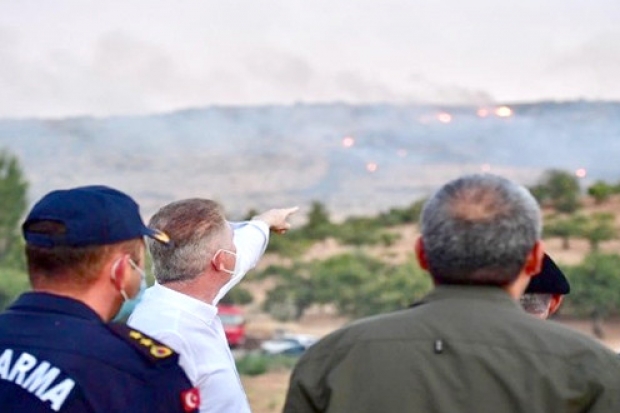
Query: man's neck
[(199, 288), (518, 286), (91, 298)]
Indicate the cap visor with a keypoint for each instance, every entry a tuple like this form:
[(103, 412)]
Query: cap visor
[(157, 235)]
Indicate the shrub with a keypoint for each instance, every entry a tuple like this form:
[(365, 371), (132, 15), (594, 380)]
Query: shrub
[(252, 364)]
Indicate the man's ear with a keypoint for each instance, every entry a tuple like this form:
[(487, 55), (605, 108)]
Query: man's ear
[(119, 272), (420, 254), (534, 261), (554, 305), (217, 261)]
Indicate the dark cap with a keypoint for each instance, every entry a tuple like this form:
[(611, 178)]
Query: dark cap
[(550, 280), (91, 215)]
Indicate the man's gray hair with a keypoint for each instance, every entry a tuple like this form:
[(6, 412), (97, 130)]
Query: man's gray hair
[(536, 303), (479, 229), (196, 229)]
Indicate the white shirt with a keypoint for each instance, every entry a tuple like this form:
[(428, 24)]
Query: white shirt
[(192, 328)]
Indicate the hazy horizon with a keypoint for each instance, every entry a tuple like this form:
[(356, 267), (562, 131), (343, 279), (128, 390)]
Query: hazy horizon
[(71, 58)]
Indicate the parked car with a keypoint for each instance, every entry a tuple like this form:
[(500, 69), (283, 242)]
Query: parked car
[(288, 344), (233, 321)]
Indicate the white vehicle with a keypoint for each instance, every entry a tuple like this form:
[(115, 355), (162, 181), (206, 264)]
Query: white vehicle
[(288, 344)]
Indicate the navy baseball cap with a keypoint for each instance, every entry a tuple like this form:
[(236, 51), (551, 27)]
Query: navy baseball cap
[(91, 215), (550, 280)]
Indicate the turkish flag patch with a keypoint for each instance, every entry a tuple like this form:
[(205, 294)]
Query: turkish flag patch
[(190, 399)]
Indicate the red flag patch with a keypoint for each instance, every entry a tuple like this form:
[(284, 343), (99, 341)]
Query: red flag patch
[(190, 399)]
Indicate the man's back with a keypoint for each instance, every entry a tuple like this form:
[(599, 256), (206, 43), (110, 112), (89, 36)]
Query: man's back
[(57, 355), (465, 349)]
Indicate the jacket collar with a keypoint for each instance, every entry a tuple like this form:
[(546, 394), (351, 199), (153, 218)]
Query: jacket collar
[(51, 303), (470, 293)]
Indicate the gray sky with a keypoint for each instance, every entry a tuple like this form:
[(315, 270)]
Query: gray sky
[(103, 57)]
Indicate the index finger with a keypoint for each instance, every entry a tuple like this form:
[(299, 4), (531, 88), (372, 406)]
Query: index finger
[(292, 210)]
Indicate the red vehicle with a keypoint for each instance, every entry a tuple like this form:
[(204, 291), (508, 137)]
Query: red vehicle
[(233, 321)]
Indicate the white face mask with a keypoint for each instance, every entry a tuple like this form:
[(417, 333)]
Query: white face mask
[(234, 270), (130, 303)]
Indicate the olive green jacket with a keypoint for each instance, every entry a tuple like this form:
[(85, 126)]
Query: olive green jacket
[(463, 349)]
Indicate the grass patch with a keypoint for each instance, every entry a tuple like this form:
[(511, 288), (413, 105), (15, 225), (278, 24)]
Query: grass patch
[(255, 364)]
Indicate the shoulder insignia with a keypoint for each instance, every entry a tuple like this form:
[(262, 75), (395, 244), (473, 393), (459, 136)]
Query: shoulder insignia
[(146, 345)]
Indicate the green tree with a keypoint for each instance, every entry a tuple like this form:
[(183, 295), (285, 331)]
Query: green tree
[(343, 279), (360, 231), (12, 283), (559, 189), (395, 288), (293, 293), (599, 228), (291, 245), (356, 284), (399, 216), (238, 296), (13, 192), (600, 191), (565, 228), (318, 225), (595, 287)]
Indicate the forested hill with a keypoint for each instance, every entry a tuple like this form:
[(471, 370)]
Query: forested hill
[(354, 159)]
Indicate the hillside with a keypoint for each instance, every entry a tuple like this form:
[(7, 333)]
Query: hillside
[(357, 159)]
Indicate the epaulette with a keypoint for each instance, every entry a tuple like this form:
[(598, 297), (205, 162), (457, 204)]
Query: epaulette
[(153, 350)]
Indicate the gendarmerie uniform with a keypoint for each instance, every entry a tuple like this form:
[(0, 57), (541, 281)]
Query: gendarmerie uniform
[(57, 355), (463, 349)]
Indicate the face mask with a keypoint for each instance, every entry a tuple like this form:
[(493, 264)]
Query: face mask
[(234, 270), (130, 303)]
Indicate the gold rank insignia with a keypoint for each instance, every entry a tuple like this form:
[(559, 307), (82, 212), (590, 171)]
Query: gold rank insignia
[(146, 345)]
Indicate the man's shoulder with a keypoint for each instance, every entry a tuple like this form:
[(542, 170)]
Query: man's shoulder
[(372, 328), (149, 349), (159, 367), (166, 325), (155, 314), (564, 337)]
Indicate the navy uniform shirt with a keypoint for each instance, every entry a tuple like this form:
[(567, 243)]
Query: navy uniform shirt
[(57, 355)]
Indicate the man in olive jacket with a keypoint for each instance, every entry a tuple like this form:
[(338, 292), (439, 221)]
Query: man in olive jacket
[(467, 346)]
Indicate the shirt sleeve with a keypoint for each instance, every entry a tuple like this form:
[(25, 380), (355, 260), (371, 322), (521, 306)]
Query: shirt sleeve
[(251, 239)]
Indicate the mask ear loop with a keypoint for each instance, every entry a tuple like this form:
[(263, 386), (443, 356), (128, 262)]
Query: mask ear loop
[(113, 276), (221, 266)]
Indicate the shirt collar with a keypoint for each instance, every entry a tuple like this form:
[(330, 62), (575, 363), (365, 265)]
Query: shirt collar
[(52, 303), (472, 292), (199, 309)]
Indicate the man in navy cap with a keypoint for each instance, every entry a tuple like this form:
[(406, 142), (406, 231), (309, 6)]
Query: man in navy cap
[(85, 253), (545, 292)]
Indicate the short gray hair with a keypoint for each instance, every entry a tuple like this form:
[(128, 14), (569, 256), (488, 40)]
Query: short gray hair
[(196, 229), (479, 229), (535, 303)]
